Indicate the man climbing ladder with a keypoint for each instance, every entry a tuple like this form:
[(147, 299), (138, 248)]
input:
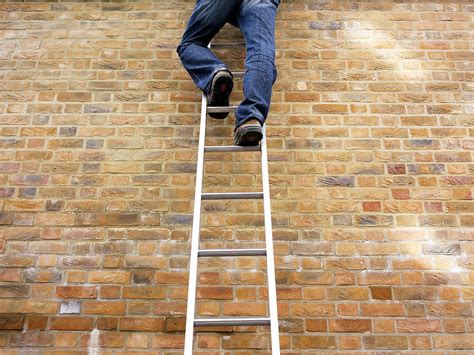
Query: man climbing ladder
[(256, 20)]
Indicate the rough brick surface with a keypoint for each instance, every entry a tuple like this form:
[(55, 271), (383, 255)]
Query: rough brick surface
[(371, 172)]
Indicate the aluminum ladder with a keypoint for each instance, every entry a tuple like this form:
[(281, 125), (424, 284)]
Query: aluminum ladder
[(196, 253)]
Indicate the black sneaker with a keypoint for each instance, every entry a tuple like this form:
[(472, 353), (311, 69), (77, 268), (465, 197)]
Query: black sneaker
[(249, 133), (221, 87)]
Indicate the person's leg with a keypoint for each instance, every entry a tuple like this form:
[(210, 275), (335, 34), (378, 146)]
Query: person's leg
[(256, 20), (208, 17)]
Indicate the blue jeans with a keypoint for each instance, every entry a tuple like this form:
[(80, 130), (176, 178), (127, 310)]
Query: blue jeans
[(256, 20)]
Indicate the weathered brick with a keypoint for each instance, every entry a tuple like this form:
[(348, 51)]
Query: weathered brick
[(106, 323), (111, 340), (43, 276), (167, 341), (29, 339), (208, 341), (216, 293), (71, 323), (10, 275), (11, 322), (9, 167), (118, 277), (244, 309), (386, 342), (379, 278), (118, 219), (291, 325), (312, 309), (418, 325), (103, 308), (148, 262), (445, 249), (28, 306), (76, 292), (36, 322), (314, 342), (83, 234), (381, 293), (14, 291), (330, 109), (311, 278), (451, 309), (454, 342), (146, 292), (141, 324), (244, 341), (82, 262), (347, 293), (414, 293), (350, 325), (385, 310), (316, 325), (16, 261)]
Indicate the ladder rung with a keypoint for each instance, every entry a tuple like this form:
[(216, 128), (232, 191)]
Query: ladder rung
[(238, 74), (202, 322), (232, 252), (221, 109), (232, 148), (231, 195)]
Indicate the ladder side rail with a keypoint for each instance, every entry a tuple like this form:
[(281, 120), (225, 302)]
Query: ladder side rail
[(271, 284), (193, 263)]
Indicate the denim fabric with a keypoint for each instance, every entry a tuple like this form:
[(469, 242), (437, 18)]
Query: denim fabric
[(256, 20)]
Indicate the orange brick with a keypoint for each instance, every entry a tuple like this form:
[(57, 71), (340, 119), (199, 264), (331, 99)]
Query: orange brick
[(76, 292), (71, 323), (208, 341), (350, 325), (312, 309), (390, 310), (454, 325), (163, 341), (385, 342), (350, 342), (137, 341), (381, 293), (109, 276), (245, 309), (316, 325), (66, 340), (244, 341), (37, 322), (384, 326), (29, 339), (146, 292), (458, 341), (110, 291), (142, 324), (314, 342), (418, 326), (12, 322), (103, 307), (216, 293)]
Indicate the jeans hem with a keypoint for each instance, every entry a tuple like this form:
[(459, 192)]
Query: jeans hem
[(241, 122)]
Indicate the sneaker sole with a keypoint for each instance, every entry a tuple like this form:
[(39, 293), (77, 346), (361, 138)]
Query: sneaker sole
[(248, 135), (220, 92)]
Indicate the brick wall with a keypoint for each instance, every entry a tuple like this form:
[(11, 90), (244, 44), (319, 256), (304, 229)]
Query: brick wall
[(370, 148)]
